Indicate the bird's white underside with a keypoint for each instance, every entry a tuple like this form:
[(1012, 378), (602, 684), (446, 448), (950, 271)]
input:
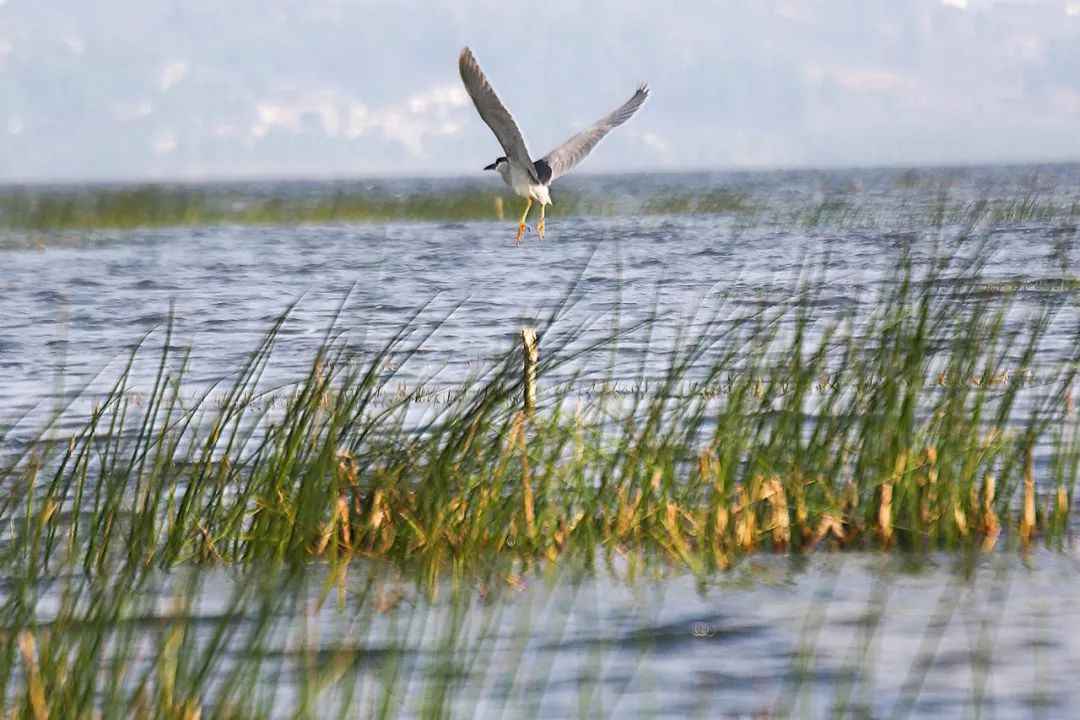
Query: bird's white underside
[(522, 182)]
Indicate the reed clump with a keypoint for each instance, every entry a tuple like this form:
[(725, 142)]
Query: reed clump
[(928, 422), (914, 428)]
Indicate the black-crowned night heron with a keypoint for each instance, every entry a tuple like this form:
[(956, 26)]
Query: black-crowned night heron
[(529, 179)]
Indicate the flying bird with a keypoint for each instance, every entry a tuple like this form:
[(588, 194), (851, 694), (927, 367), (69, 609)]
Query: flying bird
[(532, 179)]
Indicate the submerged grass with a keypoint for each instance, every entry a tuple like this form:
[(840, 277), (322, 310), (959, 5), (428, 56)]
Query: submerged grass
[(201, 644), (44, 211)]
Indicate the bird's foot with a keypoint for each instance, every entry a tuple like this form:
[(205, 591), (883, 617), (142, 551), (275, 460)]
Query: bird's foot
[(540, 228), (520, 233)]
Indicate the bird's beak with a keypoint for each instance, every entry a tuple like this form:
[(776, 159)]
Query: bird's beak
[(491, 166)]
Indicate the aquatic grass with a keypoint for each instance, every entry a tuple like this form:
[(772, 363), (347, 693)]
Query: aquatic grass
[(720, 201), (182, 554), (44, 216), (926, 421), (913, 427), (44, 210), (49, 210)]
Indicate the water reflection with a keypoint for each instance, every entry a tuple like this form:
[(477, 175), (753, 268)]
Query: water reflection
[(849, 635)]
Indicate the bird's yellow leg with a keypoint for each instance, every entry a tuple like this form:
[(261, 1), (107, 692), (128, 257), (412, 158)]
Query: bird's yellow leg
[(521, 225), (540, 225)]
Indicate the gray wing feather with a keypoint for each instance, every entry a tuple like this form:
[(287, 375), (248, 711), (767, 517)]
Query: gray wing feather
[(492, 111), (563, 158)]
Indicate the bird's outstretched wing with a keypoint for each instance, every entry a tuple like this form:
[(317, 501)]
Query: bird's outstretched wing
[(563, 158), (492, 111)]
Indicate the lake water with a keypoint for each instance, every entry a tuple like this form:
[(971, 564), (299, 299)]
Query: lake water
[(843, 635), (854, 636), (71, 311), (75, 309)]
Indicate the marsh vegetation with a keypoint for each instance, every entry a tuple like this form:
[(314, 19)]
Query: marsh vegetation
[(360, 539)]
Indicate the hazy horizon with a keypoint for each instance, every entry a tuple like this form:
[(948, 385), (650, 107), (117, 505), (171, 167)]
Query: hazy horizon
[(353, 89)]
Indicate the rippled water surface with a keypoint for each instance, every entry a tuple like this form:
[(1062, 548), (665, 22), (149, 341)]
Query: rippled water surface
[(832, 635), (1002, 644), (73, 304)]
